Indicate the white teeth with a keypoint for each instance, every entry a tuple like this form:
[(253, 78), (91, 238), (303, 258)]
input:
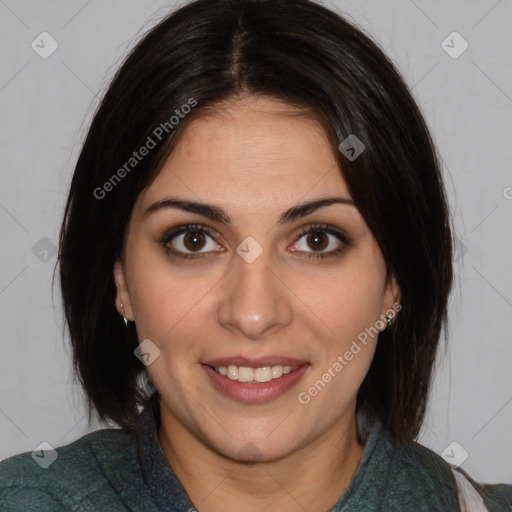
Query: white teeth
[(232, 372), (246, 374), (277, 371), (263, 374)]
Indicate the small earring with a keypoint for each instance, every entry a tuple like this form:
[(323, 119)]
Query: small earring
[(390, 319), (125, 320)]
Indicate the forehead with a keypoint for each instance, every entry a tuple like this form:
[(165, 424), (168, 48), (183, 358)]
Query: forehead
[(256, 149)]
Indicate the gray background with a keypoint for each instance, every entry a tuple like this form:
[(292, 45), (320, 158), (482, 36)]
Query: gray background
[(46, 106)]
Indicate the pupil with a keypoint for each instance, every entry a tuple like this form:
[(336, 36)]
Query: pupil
[(193, 239), (315, 238)]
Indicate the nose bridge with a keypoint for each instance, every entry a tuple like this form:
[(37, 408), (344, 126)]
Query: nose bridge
[(255, 300), (253, 278)]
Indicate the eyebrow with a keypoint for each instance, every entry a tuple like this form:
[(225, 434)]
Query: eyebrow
[(215, 213)]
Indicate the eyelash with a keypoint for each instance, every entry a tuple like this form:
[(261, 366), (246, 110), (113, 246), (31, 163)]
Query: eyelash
[(315, 228)]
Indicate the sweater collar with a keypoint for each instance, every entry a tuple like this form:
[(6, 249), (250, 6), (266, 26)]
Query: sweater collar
[(165, 487)]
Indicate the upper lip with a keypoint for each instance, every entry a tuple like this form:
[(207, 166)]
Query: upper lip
[(255, 362)]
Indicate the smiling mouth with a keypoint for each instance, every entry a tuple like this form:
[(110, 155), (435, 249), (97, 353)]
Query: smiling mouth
[(255, 384), (247, 374)]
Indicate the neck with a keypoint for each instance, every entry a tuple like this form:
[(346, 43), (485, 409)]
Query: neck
[(312, 478)]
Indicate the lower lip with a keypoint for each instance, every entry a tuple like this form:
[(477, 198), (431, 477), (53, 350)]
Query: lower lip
[(255, 392)]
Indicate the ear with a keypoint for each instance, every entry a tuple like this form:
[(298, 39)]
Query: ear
[(122, 296), (392, 297)]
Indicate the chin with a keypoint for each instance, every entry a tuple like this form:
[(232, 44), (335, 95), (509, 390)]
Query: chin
[(255, 451)]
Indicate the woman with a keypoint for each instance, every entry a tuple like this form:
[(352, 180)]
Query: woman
[(255, 264)]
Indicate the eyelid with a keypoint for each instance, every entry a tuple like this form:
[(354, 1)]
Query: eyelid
[(169, 234), (326, 228)]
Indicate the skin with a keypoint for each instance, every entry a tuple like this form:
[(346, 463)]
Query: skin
[(283, 303)]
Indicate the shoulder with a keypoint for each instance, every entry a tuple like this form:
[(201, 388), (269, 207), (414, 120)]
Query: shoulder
[(418, 467), (419, 479), (419, 463), (67, 476)]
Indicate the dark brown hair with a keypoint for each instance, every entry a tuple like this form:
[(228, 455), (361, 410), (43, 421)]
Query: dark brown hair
[(298, 51)]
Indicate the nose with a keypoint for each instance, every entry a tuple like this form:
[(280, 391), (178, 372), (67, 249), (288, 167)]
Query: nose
[(255, 300)]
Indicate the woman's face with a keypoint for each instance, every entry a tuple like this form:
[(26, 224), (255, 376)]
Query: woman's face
[(253, 291)]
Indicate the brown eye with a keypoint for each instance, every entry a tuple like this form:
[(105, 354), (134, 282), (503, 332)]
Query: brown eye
[(194, 240), (189, 242), (317, 240)]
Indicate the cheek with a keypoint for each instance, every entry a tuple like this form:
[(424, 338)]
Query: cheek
[(349, 311), (348, 302), (168, 304), (152, 296), (166, 310)]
